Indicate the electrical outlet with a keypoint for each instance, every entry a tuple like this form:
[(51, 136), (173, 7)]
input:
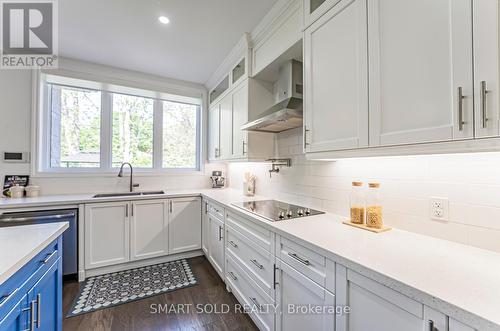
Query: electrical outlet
[(439, 208)]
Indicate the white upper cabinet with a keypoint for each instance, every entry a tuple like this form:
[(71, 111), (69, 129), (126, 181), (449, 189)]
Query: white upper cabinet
[(226, 127), (240, 117), (336, 81), (280, 32), (184, 224), (148, 229), (214, 132), (486, 67), (420, 69), (313, 9)]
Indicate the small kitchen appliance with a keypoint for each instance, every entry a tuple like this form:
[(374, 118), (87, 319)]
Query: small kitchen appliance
[(218, 181), (275, 211)]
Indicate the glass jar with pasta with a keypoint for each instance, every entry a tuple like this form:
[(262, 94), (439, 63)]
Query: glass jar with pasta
[(357, 203), (374, 207)]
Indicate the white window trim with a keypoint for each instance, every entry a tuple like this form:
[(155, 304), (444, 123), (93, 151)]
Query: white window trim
[(40, 140)]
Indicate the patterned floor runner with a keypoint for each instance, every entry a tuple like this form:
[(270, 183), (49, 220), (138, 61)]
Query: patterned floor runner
[(121, 287)]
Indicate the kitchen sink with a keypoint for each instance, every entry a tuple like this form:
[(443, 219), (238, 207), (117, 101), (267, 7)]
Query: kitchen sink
[(126, 194)]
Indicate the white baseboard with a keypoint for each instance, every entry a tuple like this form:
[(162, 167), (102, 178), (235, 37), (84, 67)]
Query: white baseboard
[(136, 264)]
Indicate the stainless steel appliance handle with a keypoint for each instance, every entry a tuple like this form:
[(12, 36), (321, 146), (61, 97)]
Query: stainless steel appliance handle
[(484, 114), (301, 260), (460, 101), (7, 297), (7, 218)]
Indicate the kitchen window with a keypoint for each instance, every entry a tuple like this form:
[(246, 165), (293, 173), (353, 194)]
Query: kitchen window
[(93, 127)]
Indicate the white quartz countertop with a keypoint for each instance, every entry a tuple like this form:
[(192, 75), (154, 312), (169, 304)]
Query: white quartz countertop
[(73, 199), (456, 279), (19, 244)]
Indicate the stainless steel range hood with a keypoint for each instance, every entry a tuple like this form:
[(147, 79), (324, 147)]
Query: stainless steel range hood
[(284, 115), (287, 113)]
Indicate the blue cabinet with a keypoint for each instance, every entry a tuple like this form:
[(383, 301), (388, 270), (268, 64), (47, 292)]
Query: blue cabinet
[(32, 298)]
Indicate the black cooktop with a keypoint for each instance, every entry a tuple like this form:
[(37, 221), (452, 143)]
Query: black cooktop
[(275, 210)]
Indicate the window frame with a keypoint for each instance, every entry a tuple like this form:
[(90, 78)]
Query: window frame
[(42, 129)]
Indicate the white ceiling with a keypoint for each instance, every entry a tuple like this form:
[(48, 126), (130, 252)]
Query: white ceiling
[(127, 34)]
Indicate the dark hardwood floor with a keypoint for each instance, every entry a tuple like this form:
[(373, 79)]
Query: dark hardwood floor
[(138, 316)]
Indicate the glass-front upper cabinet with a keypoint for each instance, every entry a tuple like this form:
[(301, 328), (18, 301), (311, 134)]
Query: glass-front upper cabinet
[(313, 9), (219, 89), (238, 71)]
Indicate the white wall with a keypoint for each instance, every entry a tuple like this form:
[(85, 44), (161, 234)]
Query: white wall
[(15, 113), (15, 134), (470, 181)]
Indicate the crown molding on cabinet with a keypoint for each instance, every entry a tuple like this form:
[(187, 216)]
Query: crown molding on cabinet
[(278, 14), (236, 54)]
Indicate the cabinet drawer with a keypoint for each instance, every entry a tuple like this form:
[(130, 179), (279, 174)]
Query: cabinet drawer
[(18, 284), (305, 260), (255, 233), (248, 293), (216, 210), (257, 262)]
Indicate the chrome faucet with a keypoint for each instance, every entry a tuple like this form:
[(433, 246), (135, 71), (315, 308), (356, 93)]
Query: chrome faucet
[(120, 174)]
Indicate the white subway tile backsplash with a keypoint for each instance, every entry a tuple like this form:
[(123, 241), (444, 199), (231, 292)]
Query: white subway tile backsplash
[(471, 182)]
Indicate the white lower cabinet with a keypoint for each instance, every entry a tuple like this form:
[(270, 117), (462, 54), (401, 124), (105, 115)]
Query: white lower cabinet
[(257, 303), (119, 232), (106, 234), (296, 295), (205, 233), (148, 229), (216, 244), (374, 306), (184, 224)]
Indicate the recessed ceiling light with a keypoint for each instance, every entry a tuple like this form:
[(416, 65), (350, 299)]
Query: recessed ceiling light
[(164, 19)]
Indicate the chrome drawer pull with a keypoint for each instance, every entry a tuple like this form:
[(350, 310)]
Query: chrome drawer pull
[(233, 276), (232, 243), (38, 310), (484, 115), (47, 259), (31, 309), (7, 297), (301, 260), (460, 102), (431, 326), (256, 303), (32, 318), (260, 266)]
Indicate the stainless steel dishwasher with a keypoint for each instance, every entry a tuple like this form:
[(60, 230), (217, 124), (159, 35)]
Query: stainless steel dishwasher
[(70, 236)]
